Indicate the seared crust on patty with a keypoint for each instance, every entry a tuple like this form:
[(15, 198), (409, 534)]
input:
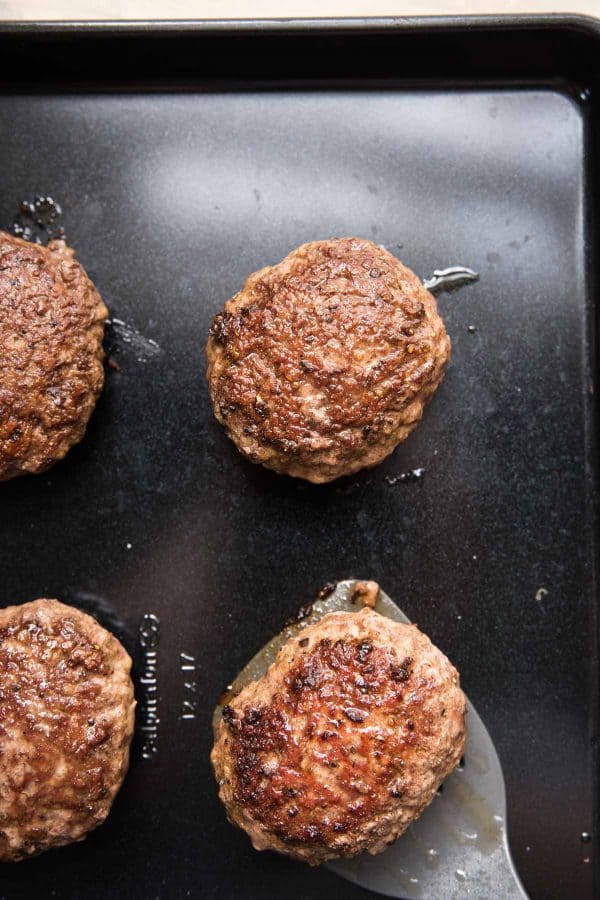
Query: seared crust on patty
[(66, 723), (51, 372), (323, 363), (344, 741)]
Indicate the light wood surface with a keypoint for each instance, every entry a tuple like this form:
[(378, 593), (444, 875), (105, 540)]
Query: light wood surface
[(45, 10)]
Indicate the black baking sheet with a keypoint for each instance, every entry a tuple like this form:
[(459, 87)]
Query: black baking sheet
[(186, 156)]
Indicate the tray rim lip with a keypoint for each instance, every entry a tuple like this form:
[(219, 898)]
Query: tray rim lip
[(586, 24)]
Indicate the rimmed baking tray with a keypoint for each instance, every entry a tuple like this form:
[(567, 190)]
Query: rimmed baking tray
[(186, 155)]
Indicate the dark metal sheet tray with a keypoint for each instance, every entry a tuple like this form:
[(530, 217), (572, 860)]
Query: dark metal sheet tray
[(187, 155)]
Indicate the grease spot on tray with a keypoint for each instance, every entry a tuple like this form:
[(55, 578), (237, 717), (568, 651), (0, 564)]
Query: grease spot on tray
[(124, 336), (404, 477), (38, 220)]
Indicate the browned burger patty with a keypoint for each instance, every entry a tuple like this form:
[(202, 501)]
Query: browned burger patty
[(66, 722), (51, 374), (322, 364), (344, 741)]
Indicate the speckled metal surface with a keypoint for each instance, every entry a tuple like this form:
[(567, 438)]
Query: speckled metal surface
[(195, 557)]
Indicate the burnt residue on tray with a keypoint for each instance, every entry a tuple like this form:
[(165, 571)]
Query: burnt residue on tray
[(302, 613), (305, 610), (326, 590)]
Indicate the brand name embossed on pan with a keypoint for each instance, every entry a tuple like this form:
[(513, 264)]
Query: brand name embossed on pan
[(149, 638)]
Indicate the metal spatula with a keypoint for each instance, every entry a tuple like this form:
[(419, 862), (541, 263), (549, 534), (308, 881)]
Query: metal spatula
[(458, 847)]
